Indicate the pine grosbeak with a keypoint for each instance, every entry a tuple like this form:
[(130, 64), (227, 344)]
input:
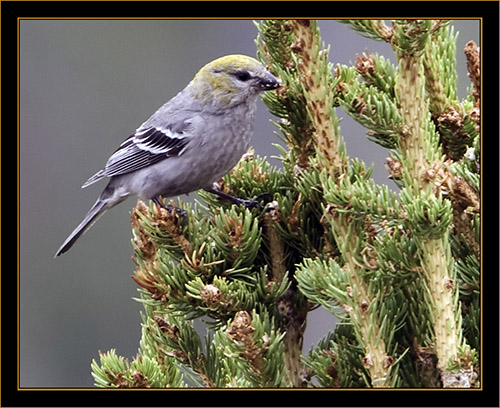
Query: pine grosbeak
[(189, 143)]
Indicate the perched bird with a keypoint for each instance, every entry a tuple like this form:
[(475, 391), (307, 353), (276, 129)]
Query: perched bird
[(189, 143)]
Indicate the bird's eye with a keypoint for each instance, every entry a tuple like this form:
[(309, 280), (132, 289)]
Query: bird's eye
[(242, 76)]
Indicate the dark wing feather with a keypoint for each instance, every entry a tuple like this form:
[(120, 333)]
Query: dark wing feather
[(144, 148)]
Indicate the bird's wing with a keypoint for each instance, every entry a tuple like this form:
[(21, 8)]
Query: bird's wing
[(148, 145)]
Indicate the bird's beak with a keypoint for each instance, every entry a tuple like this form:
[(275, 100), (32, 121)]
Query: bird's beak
[(269, 82)]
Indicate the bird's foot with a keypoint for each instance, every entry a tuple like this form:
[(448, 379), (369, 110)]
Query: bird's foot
[(181, 214), (250, 204)]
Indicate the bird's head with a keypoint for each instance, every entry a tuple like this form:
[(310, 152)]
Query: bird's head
[(232, 80)]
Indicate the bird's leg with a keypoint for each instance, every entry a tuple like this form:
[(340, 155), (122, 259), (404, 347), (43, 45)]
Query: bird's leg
[(156, 200), (170, 208), (238, 201)]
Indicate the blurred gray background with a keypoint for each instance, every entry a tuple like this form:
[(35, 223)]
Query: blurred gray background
[(86, 85)]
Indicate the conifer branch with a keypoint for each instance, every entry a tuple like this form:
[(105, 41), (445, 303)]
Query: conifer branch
[(276, 246), (429, 214), (293, 321), (474, 69), (375, 29), (315, 75), (275, 44), (316, 78), (364, 314)]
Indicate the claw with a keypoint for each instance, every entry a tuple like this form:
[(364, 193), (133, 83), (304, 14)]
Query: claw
[(266, 197), (170, 208), (250, 204)]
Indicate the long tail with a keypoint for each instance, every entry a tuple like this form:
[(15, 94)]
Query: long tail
[(98, 209)]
